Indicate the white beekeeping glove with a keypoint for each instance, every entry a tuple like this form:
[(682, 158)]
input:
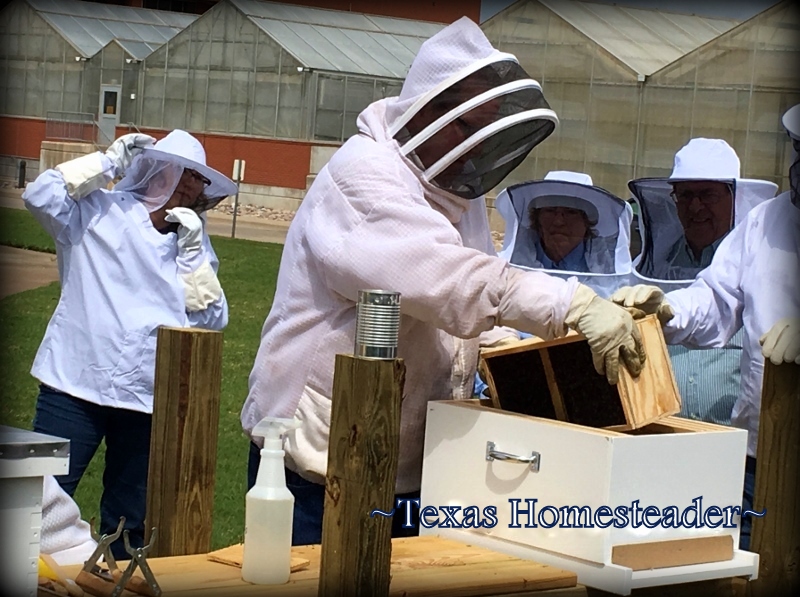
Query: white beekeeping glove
[(611, 333), (94, 171), (781, 344), (200, 283), (648, 300)]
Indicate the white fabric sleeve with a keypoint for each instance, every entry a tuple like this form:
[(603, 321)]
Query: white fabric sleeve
[(87, 173), (47, 199), (498, 335), (64, 535), (206, 305), (709, 312), (381, 238)]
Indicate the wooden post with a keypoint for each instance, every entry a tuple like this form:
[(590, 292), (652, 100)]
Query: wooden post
[(776, 536), (362, 470), (183, 442)]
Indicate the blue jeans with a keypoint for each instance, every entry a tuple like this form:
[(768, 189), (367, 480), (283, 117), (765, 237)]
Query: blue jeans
[(747, 502), (309, 503), (127, 437)]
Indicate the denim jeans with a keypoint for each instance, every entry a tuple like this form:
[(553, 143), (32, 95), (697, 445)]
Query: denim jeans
[(127, 437), (309, 503), (747, 502)]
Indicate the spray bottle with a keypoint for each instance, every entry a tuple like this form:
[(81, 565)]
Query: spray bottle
[(268, 510)]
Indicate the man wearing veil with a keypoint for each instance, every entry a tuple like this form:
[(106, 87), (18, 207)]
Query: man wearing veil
[(130, 260), (750, 285), (400, 207)]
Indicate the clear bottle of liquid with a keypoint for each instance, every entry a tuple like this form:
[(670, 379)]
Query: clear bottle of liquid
[(269, 507)]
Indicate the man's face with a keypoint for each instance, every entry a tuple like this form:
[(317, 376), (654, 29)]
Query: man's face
[(561, 230), (705, 209)]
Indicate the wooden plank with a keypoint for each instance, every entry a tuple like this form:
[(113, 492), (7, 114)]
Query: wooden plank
[(421, 566), (233, 555), (552, 384), (776, 536), (676, 552), (486, 374), (183, 443), (363, 455), (654, 393)]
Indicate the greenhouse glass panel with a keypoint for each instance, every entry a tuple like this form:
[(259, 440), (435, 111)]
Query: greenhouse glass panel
[(267, 82), (34, 84), (719, 113), (130, 85), (178, 52), (329, 108), (196, 108), (152, 96), (240, 101), (33, 46), (15, 83), (73, 78), (290, 100), (218, 100), (53, 87), (176, 91)]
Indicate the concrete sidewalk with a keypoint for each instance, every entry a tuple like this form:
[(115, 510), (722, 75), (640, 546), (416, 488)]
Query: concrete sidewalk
[(24, 270)]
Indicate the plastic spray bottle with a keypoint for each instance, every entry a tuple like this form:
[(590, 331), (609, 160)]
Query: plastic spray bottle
[(268, 510)]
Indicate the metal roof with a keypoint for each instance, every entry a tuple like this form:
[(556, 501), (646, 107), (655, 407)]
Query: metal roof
[(338, 41), (646, 40), (90, 26)]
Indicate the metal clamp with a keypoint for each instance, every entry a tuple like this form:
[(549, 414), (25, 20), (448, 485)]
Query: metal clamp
[(534, 460)]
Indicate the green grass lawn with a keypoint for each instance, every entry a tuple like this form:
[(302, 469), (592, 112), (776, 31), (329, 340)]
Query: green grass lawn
[(248, 271)]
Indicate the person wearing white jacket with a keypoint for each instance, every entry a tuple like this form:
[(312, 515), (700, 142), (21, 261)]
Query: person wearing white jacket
[(751, 283), (130, 260), (400, 207)]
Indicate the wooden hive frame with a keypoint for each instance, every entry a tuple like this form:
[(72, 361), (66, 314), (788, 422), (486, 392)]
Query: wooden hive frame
[(556, 379)]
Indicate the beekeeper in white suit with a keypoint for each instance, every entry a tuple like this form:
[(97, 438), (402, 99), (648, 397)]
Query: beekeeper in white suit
[(399, 207), (130, 260), (752, 283)]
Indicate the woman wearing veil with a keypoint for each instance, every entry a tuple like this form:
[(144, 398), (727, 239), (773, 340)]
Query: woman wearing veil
[(130, 259)]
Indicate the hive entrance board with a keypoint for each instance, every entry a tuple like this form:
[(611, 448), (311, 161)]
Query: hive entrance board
[(556, 379)]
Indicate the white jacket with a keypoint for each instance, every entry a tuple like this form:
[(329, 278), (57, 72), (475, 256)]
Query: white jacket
[(752, 282), (368, 221), (65, 536), (119, 283)]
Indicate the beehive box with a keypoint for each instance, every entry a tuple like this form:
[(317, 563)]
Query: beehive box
[(477, 457), (556, 379)]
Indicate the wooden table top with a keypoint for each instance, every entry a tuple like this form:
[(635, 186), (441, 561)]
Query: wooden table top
[(420, 566)]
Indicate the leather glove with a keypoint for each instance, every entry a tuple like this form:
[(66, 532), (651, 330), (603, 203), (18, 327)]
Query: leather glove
[(94, 171), (781, 344), (122, 151), (200, 283), (643, 300), (611, 332), (190, 229)]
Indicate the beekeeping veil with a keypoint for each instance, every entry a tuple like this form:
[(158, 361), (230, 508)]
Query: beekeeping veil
[(606, 252), (156, 172), (659, 225), (791, 122), (467, 114)]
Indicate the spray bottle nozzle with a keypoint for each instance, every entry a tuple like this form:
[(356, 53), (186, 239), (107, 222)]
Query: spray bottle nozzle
[(272, 430)]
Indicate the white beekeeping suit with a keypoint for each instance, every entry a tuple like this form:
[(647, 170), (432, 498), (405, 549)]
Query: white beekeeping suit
[(399, 207), (606, 255)]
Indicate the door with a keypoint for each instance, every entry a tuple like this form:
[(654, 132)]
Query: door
[(108, 118)]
